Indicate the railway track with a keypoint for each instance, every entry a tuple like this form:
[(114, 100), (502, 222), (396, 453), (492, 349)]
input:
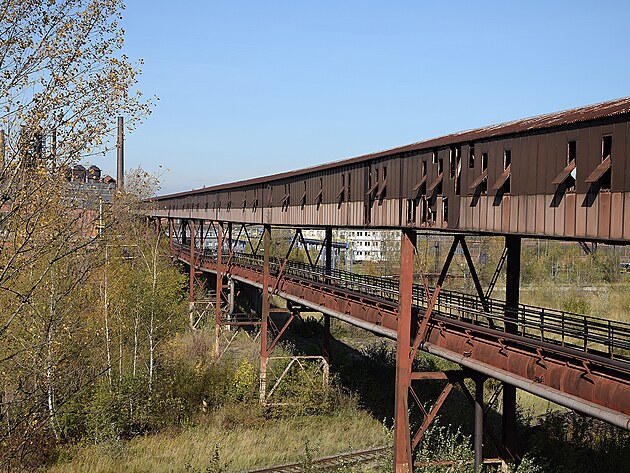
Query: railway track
[(330, 462)]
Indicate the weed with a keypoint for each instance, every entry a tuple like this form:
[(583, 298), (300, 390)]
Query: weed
[(215, 465)]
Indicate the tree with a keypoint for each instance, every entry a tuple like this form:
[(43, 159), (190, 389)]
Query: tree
[(46, 324), (63, 80), (152, 296)]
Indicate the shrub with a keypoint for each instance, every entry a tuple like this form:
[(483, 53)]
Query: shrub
[(442, 443), (245, 381)]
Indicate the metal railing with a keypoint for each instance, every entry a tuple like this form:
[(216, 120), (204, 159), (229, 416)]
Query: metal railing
[(597, 336)]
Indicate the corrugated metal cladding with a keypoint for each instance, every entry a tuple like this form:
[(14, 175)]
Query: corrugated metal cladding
[(563, 175)]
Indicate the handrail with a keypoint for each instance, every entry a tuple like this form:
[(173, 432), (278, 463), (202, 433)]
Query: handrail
[(585, 333)]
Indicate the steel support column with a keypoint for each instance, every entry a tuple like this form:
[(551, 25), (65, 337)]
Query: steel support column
[(219, 289), (403, 462), (264, 353), (512, 293), (479, 407), (230, 241), (227, 270), (170, 235), (326, 341), (191, 274)]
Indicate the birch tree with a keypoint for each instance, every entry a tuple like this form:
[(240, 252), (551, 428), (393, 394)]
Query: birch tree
[(63, 81)]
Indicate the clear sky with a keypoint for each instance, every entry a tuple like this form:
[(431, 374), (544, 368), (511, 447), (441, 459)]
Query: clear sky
[(250, 88)]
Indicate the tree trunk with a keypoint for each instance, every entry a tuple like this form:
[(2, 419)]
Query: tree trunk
[(106, 315), (50, 366)]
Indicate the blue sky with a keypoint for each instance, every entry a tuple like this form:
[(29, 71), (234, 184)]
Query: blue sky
[(249, 88)]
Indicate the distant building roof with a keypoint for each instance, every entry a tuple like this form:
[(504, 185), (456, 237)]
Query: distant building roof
[(89, 195)]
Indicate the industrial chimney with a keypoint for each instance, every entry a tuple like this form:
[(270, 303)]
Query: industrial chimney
[(120, 146)]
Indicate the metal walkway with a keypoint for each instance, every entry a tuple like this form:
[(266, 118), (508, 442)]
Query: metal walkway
[(606, 340)]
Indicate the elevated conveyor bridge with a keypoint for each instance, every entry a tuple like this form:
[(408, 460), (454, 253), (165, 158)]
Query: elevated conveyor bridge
[(560, 176)]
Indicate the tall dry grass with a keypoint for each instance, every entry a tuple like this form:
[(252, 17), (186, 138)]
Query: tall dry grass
[(243, 438)]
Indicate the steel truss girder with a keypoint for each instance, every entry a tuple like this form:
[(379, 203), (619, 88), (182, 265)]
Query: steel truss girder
[(566, 372), (570, 373)]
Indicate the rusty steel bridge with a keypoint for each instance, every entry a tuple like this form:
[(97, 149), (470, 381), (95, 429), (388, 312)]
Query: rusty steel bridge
[(562, 176)]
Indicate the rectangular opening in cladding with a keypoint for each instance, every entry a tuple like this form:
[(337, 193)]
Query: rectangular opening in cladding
[(483, 187), (435, 156), (606, 179), (471, 156), (571, 155), (606, 146), (571, 151), (383, 188), (445, 210), (348, 188), (458, 171), (320, 195), (424, 210), (423, 171), (340, 194), (438, 188), (411, 211), (507, 161), (452, 163)]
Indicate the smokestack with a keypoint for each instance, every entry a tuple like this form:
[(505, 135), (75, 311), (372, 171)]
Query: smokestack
[(120, 145)]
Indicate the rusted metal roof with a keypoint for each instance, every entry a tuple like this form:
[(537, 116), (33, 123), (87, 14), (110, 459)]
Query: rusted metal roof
[(567, 117)]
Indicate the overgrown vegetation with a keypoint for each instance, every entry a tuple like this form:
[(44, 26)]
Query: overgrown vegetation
[(64, 80), (224, 427), (209, 419)]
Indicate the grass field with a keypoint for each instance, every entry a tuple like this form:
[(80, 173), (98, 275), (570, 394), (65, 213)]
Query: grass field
[(236, 437)]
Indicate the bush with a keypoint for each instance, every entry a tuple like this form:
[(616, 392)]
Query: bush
[(576, 304), (441, 443), (129, 409), (302, 391), (245, 381), (571, 442)]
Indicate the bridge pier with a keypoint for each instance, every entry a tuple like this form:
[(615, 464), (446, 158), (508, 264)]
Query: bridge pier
[(404, 445), (264, 354), (403, 458), (328, 254), (191, 274), (171, 229), (219, 289), (512, 296), (479, 407), (269, 288)]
